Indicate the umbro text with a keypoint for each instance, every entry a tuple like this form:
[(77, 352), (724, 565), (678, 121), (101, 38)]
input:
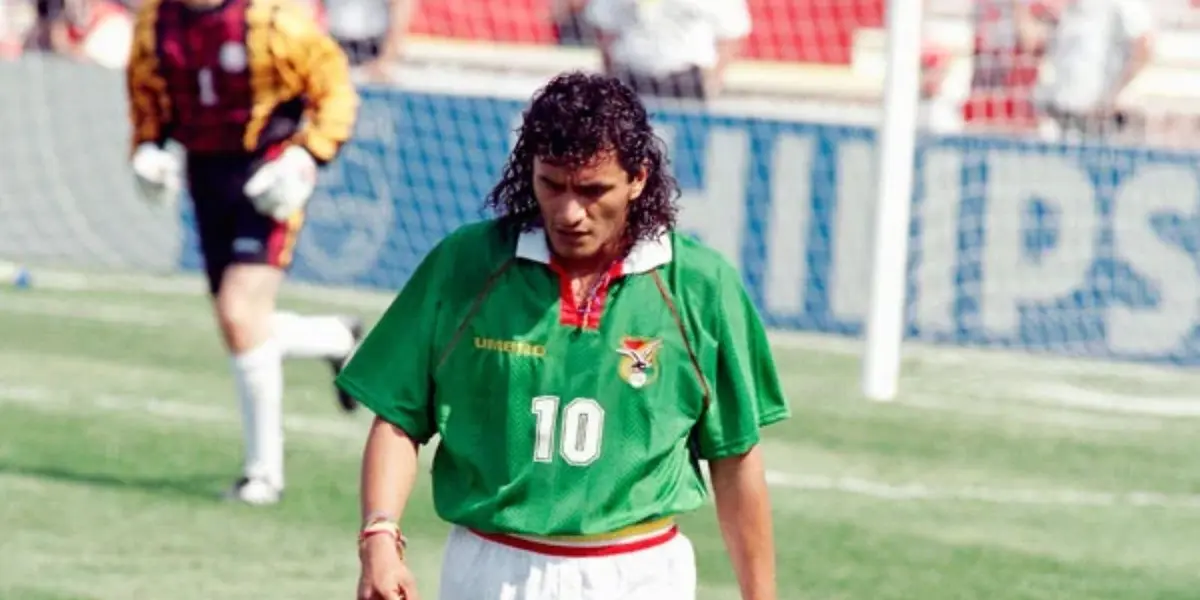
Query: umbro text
[(510, 347)]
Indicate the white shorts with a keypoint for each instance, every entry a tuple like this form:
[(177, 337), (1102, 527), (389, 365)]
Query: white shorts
[(478, 568)]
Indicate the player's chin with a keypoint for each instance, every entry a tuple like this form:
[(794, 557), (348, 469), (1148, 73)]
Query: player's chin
[(574, 246)]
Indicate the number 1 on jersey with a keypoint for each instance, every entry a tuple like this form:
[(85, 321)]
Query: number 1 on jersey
[(582, 428), (208, 88)]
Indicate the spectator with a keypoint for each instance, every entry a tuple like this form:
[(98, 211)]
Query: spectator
[(939, 108), (371, 32), (1096, 49), (99, 32), (17, 19), (570, 28), (95, 31), (669, 48), (49, 30)]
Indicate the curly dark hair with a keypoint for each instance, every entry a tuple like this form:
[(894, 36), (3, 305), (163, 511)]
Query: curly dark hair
[(569, 122)]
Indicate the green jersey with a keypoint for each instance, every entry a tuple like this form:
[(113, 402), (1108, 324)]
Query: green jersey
[(563, 419)]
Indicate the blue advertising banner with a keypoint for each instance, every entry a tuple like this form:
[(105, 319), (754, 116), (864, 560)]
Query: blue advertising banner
[(1082, 250)]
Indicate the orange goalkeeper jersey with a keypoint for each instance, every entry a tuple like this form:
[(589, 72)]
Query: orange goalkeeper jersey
[(241, 77)]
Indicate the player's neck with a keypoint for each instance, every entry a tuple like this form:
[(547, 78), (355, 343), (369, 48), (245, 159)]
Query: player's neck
[(585, 274), (592, 266)]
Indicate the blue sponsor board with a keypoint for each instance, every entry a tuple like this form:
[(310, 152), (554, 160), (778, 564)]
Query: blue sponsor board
[(1087, 251)]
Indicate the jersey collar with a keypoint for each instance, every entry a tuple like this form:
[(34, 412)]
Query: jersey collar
[(645, 256)]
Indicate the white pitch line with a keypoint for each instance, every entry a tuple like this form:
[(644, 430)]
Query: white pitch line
[(990, 495), (1020, 364), (47, 400), (183, 284), (1077, 397), (1051, 414), (115, 313)]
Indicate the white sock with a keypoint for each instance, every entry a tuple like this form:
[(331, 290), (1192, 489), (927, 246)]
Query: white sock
[(312, 337), (259, 377)]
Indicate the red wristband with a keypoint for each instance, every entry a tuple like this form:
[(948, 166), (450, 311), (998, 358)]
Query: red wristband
[(383, 526), (362, 536)]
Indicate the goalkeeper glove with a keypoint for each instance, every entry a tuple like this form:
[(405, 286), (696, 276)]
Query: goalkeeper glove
[(158, 174), (283, 186)]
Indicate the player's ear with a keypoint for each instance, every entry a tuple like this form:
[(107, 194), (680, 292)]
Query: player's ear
[(639, 182)]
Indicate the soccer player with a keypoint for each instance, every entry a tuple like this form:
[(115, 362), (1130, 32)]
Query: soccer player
[(578, 359), (259, 98)]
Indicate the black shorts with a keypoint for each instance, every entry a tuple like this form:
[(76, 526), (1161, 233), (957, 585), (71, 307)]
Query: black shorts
[(1088, 126), (231, 230), (361, 52), (681, 85)]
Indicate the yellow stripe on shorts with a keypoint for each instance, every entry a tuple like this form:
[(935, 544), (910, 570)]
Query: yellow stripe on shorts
[(627, 532)]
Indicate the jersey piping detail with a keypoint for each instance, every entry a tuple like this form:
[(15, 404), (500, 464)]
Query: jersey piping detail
[(687, 344), (578, 549), (462, 327)]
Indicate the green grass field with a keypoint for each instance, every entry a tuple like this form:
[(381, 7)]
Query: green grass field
[(995, 476)]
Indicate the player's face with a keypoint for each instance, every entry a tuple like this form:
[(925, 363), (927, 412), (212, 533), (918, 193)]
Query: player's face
[(585, 208)]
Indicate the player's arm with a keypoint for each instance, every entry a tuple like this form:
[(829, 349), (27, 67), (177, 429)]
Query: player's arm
[(401, 12), (744, 514), (313, 67), (391, 374), (157, 172), (601, 16), (746, 396), (149, 110), (324, 73), (1137, 28), (732, 27), (1029, 24), (389, 469)]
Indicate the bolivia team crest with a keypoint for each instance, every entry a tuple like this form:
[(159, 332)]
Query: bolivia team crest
[(639, 360)]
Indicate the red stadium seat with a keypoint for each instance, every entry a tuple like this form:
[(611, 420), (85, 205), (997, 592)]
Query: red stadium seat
[(818, 31)]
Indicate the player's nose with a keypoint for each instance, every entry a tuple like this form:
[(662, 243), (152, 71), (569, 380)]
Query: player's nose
[(571, 213)]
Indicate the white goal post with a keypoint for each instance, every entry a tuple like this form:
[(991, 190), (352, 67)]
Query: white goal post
[(885, 322)]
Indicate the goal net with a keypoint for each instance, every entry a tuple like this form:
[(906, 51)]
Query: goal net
[(1083, 247)]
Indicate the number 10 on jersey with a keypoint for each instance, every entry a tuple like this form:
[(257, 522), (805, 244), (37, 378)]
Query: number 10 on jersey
[(579, 430)]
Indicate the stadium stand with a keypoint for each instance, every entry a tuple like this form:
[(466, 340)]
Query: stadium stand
[(811, 48), (811, 31), (799, 49)]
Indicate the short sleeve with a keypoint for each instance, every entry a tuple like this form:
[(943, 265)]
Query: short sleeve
[(391, 372), (747, 395), (733, 19), (1134, 18), (605, 15)]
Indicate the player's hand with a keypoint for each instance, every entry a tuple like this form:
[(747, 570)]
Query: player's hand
[(378, 71), (158, 174), (384, 575), (281, 187)]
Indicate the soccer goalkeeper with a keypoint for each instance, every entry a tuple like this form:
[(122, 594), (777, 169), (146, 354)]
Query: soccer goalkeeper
[(232, 81), (578, 359)]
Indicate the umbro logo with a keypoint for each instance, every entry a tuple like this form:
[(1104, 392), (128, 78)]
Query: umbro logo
[(517, 347)]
